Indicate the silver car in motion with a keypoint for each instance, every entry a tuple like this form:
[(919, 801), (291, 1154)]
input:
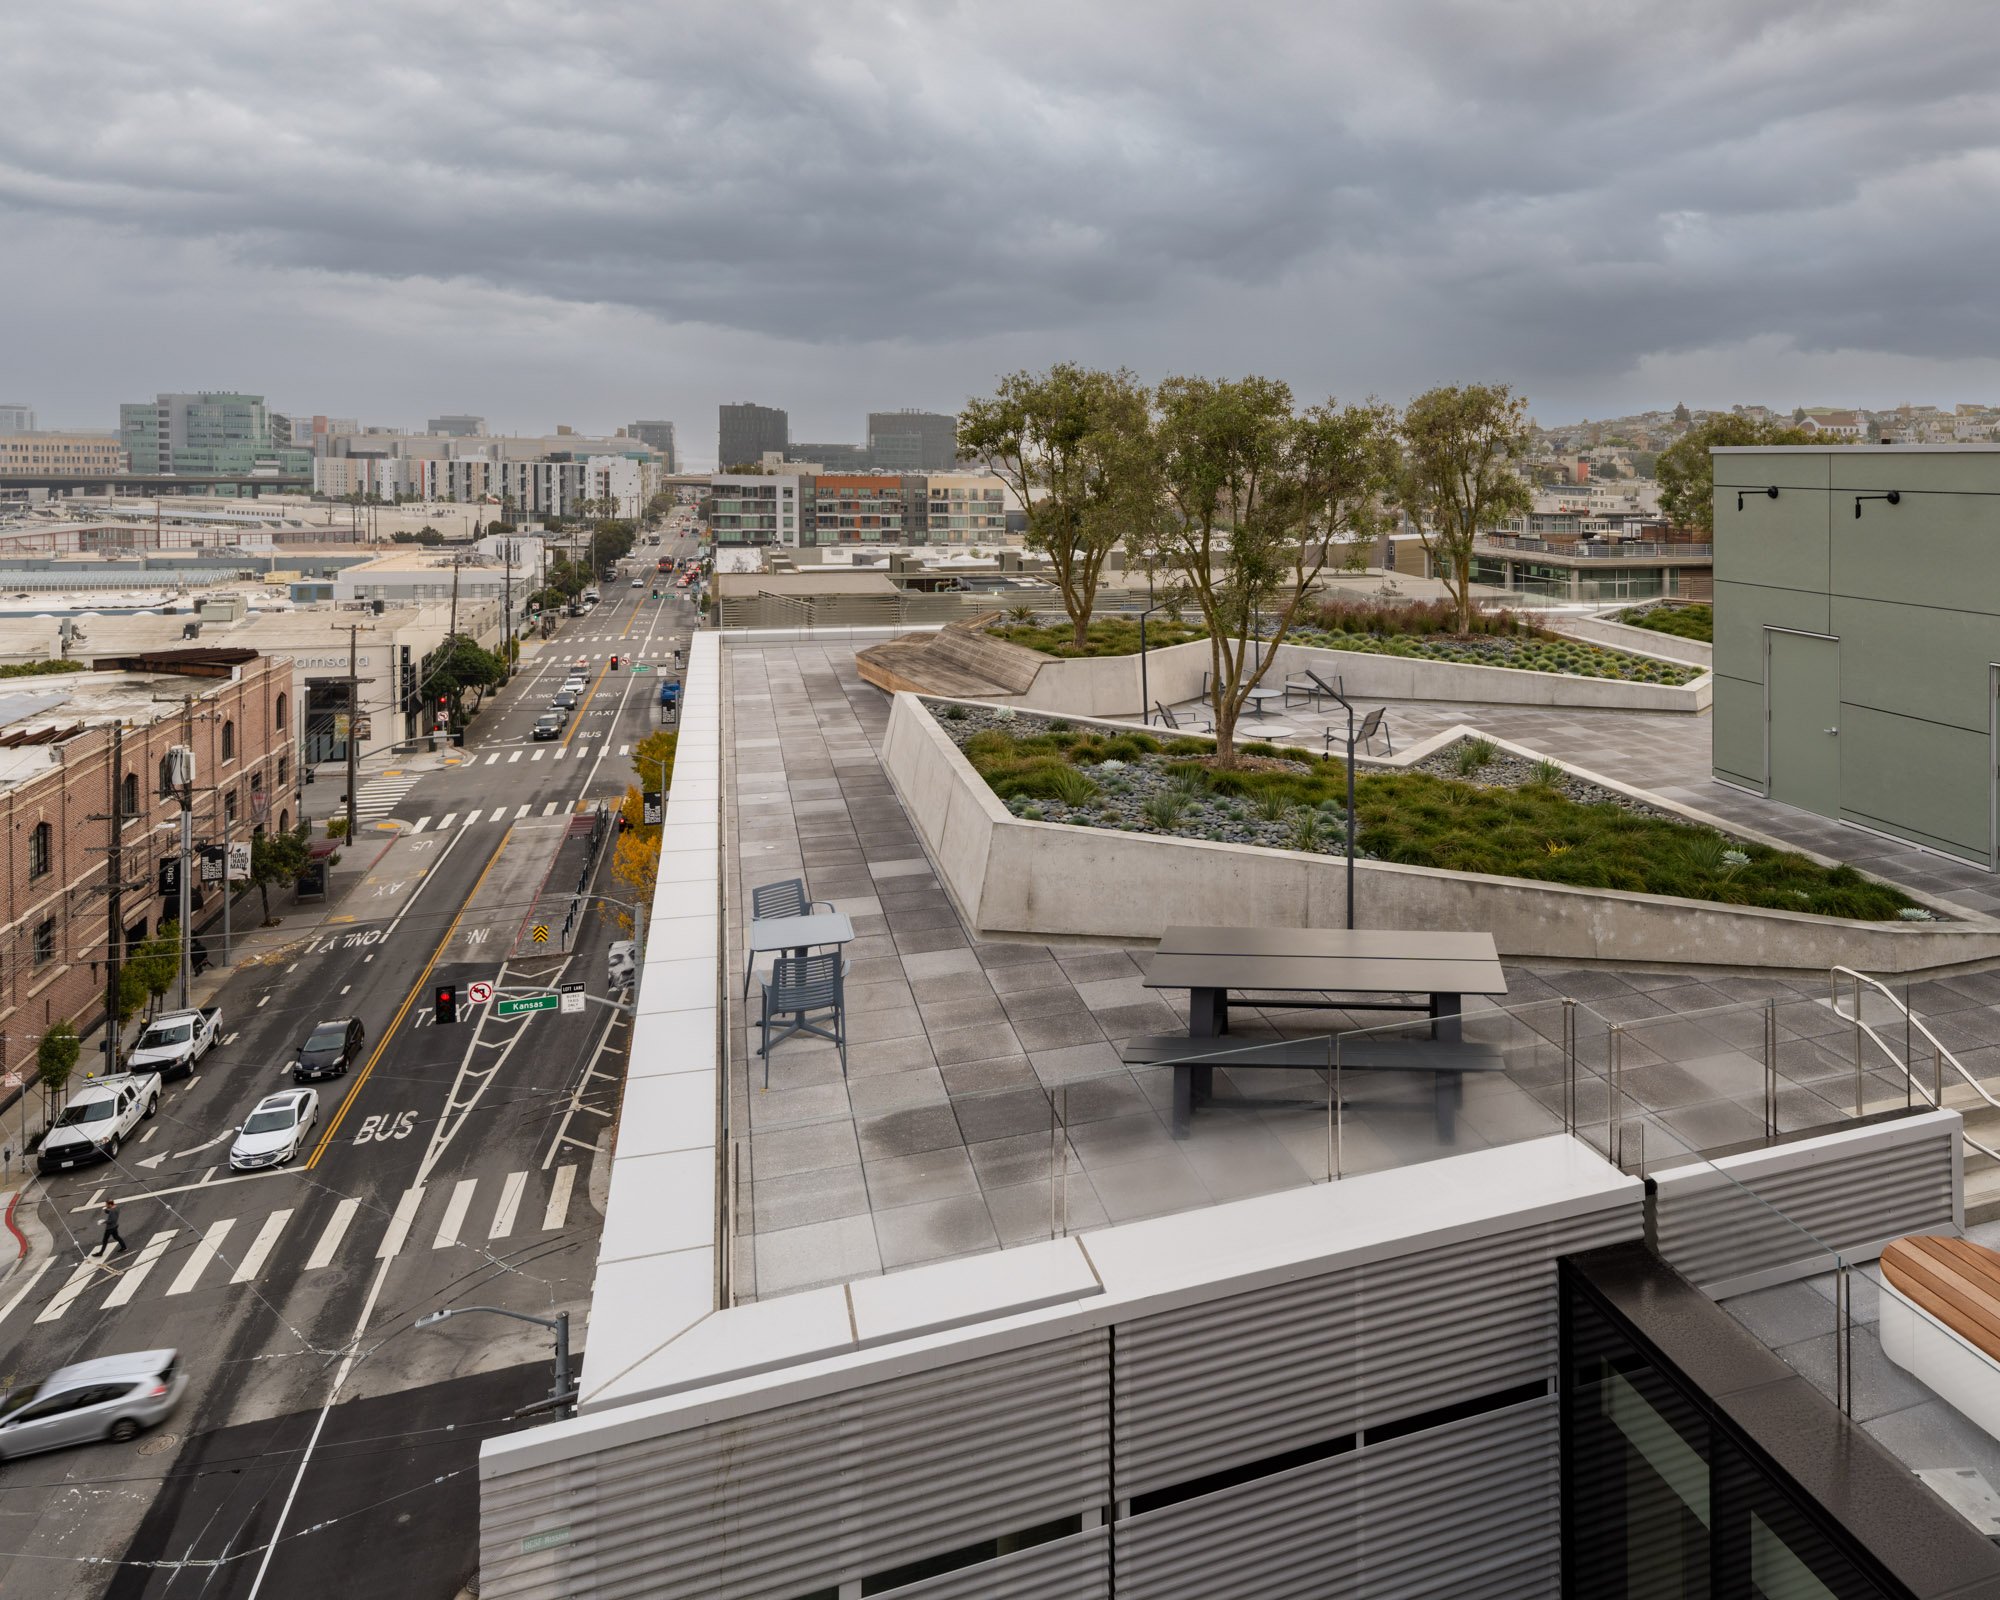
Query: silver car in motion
[(112, 1397)]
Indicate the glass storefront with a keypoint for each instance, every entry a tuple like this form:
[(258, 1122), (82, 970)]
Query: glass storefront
[(1662, 1499)]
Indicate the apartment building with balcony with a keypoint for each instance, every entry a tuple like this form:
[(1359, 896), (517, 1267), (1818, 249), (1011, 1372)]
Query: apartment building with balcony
[(1596, 542), (757, 508), (854, 508), (964, 508)]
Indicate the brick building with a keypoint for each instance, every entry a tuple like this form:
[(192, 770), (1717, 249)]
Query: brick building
[(59, 783)]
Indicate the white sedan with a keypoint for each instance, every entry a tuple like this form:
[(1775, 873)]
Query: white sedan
[(276, 1131)]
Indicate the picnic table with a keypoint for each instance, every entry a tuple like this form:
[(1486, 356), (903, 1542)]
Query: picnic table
[(1302, 968)]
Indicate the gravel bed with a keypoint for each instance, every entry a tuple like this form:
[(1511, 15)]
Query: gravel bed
[(1504, 770), (1126, 788)]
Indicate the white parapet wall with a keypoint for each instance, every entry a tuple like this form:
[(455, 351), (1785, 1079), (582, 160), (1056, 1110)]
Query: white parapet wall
[(1110, 686), (1012, 878)]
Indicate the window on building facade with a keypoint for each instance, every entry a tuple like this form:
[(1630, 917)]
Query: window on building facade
[(166, 776), (229, 805), (45, 941), (128, 803), (41, 850), (229, 741), (284, 770), (279, 711)]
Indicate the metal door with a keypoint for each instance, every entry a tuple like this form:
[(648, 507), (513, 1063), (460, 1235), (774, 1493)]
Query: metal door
[(1802, 727)]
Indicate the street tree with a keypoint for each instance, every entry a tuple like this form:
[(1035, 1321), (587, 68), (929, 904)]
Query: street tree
[(1458, 474), (1071, 443), (279, 858), (155, 964), (1686, 470), (1260, 500), (462, 663), (55, 1059)]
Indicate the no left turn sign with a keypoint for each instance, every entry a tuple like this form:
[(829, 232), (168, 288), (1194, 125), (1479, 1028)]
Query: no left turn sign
[(479, 993)]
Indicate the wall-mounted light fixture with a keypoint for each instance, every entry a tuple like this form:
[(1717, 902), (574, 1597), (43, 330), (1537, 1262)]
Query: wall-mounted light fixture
[(1894, 497), (1740, 493)]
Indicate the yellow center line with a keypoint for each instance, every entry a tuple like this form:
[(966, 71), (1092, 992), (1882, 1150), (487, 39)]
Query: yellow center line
[(389, 1033), (577, 721)]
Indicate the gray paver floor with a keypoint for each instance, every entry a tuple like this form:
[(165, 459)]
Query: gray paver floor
[(984, 1104)]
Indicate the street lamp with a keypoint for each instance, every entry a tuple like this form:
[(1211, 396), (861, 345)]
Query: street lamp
[(565, 1392), (1337, 695)]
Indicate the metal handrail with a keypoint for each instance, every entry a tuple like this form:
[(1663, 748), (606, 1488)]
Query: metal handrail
[(1911, 1023)]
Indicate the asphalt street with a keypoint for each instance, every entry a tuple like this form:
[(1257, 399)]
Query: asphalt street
[(451, 1167)]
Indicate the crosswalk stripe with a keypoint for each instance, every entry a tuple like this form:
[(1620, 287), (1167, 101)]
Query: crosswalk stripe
[(558, 1209), (449, 818), (67, 1294), (21, 1293), (516, 756), (522, 812), (329, 1240), (421, 824), (549, 810), (203, 1253), (490, 760), (560, 753), (260, 1247), (454, 1213), (470, 818), (134, 1275), (399, 1224), (624, 749), (537, 755), (510, 1203)]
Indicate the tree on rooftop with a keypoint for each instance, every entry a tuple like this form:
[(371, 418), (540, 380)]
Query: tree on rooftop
[(1072, 444), (1458, 476), (1259, 501), (1686, 470)]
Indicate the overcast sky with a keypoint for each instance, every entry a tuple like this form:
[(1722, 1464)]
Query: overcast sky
[(590, 212)]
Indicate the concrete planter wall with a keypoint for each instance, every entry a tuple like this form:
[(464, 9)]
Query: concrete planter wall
[(1108, 686), (1640, 641), (1042, 879)]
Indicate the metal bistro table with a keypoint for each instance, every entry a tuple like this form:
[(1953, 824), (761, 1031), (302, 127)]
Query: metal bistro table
[(1259, 698), (1288, 962), (768, 935)]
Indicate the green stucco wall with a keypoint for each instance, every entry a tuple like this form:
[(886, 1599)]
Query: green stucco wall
[(1911, 592)]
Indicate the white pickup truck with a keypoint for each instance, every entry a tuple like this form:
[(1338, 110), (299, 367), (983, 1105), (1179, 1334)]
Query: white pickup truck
[(174, 1041), (98, 1119)]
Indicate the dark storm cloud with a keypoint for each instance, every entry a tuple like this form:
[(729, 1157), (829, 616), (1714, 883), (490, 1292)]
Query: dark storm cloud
[(1547, 191)]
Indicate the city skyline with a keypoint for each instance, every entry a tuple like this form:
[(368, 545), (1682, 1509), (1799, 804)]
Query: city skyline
[(1633, 221)]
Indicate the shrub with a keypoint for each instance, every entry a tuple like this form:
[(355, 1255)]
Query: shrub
[(1071, 787), (1472, 755), (1306, 834), (1164, 811), (1682, 621), (1272, 804), (1112, 636), (954, 713), (1549, 774)]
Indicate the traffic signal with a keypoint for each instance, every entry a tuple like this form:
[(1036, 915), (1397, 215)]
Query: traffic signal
[(447, 1002), (614, 663), (412, 701)]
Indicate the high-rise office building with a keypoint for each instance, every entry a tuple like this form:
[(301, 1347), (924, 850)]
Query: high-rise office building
[(660, 435), (17, 419), (457, 427), (218, 432), (912, 441), (745, 431)]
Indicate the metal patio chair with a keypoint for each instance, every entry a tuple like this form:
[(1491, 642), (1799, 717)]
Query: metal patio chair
[(769, 901), (802, 988)]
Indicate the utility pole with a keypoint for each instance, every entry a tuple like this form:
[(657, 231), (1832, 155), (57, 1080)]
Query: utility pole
[(115, 887), (456, 558), (507, 614), (187, 849), (353, 729)]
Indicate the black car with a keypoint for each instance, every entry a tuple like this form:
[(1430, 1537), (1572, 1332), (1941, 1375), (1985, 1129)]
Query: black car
[(330, 1049)]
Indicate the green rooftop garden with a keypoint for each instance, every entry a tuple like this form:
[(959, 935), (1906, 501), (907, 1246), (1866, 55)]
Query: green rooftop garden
[(1683, 622), (1110, 636), (1047, 770)]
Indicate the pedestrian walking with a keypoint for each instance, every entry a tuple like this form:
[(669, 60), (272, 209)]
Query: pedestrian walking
[(111, 1234)]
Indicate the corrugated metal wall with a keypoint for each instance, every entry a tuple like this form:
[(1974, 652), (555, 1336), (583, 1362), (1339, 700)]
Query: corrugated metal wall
[(1251, 1376), (791, 1500), (1468, 1510), (1780, 1215), (784, 1501)]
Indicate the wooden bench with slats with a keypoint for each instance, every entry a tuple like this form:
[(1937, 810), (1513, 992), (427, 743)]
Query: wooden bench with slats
[(1940, 1320)]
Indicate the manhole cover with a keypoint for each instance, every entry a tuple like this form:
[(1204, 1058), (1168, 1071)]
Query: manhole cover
[(158, 1444)]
